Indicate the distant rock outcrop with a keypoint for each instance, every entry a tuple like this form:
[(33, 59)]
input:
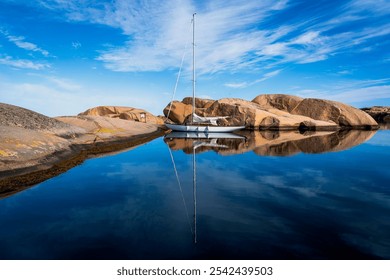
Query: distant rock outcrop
[(125, 113), (275, 112), (380, 113), (319, 109)]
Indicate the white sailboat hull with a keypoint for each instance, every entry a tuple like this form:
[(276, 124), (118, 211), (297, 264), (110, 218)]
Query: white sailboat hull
[(204, 129)]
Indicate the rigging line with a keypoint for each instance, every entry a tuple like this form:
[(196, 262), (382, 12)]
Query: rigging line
[(178, 76), (181, 190)]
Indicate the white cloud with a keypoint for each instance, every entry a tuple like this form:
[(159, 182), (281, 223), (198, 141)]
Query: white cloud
[(21, 43), (375, 6), (275, 49), (308, 93), (351, 85), (158, 31), (345, 72), (266, 76), (231, 36), (270, 75), (64, 84), (313, 46), (363, 94), (76, 45), (350, 91), (237, 85), (305, 48), (307, 38), (23, 63)]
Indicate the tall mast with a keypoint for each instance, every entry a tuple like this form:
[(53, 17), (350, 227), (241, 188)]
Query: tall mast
[(193, 114), (193, 66)]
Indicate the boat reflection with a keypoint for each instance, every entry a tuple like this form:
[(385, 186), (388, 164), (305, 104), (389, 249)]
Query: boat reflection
[(201, 142), (193, 143), (269, 143)]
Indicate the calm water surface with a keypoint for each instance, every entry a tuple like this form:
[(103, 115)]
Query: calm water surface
[(271, 202)]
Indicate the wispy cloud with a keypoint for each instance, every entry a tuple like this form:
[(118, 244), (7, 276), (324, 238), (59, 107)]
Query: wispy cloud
[(364, 94), (381, 7), (158, 30), (345, 72), (351, 91), (237, 85), (231, 36), (61, 83), (21, 42), (266, 76), (76, 45), (315, 45), (269, 75), (158, 44), (23, 63)]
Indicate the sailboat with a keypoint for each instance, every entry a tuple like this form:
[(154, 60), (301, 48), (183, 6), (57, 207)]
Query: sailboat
[(198, 123)]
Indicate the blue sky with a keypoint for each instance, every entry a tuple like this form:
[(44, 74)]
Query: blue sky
[(61, 57)]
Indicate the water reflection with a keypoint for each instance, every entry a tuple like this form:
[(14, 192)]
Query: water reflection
[(195, 143), (129, 205), (301, 207), (272, 143)]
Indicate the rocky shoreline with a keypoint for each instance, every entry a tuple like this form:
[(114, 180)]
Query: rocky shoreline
[(381, 114), (34, 147), (15, 180)]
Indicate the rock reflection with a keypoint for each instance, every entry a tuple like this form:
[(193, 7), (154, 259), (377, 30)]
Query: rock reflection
[(273, 143), (385, 126)]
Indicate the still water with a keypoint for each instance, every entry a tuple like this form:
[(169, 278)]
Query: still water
[(271, 196)]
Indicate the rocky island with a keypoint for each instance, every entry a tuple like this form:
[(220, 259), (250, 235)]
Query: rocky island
[(381, 114), (275, 112), (34, 147)]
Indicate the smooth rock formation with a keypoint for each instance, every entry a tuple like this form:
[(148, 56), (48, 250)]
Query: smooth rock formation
[(23, 148), (275, 112), (201, 103), (257, 117), (102, 129), (125, 113), (318, 109), (178, 111), (282, 102)]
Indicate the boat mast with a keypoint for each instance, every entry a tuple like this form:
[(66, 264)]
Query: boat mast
[(193, 66)]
